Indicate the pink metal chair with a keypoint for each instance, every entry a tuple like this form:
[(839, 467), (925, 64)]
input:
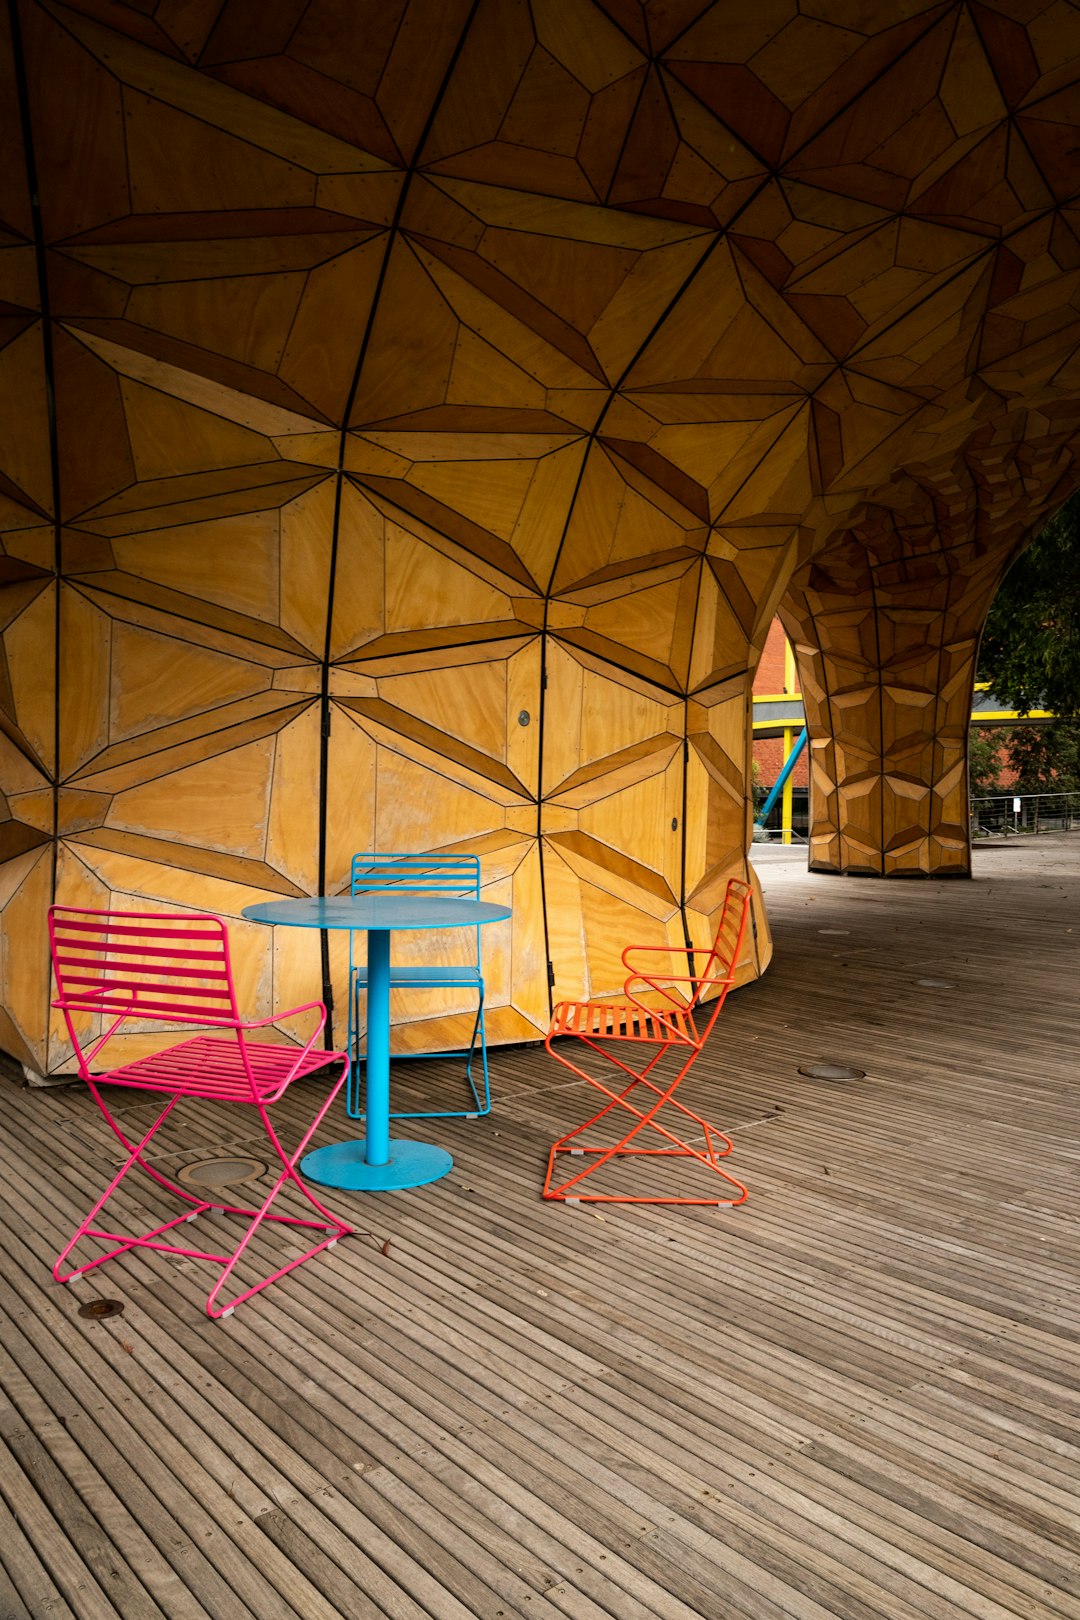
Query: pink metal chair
[(677, 1024), (121, 965)]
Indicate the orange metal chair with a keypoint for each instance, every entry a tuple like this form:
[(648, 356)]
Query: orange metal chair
[(676, 1024), (175, 967)]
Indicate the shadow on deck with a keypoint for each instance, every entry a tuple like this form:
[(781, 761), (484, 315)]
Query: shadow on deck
[(857, 1395)]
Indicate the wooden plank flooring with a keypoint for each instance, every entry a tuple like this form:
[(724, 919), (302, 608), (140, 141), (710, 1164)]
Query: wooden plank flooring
[(857, 1395)]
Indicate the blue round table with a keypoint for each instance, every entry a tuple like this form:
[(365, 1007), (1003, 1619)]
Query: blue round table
[(377, 1164)]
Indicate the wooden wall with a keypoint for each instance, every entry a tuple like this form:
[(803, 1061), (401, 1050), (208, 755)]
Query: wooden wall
[(412, 414)]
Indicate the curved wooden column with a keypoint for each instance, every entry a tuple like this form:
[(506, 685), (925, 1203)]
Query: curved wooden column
[(886, 624)]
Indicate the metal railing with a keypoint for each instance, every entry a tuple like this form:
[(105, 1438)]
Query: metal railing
[(1005, 814)]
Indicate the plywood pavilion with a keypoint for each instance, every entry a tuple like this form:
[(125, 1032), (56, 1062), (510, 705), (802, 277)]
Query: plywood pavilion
[(413, 412)]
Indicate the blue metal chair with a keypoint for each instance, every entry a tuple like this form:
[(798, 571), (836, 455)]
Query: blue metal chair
[(446, 877)]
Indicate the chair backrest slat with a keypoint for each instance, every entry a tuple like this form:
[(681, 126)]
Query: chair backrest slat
[(445, 875), (723, 957), (162, 970), (149, 964)]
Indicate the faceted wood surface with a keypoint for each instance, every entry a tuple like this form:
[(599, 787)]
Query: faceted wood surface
[(412, 415)]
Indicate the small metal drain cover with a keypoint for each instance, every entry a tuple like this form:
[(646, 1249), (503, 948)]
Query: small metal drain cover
[(937, 984), (99, 1309), (217, 1173), (831, 1071)]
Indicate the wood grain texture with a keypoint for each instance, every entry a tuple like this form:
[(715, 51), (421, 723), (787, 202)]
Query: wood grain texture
[(854, 1396), (472, 384)]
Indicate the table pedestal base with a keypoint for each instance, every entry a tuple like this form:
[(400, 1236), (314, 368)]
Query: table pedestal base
[(342, 1164)]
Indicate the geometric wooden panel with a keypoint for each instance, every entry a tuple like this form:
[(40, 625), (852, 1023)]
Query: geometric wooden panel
[(411, 419)]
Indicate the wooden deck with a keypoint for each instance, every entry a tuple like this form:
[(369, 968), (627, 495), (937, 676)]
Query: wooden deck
[(858, 1395)]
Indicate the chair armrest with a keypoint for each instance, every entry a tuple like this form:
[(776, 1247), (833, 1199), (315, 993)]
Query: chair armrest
[(682, 951), (695, 982), (64, 1004), (279, 1017), (659, 1015)]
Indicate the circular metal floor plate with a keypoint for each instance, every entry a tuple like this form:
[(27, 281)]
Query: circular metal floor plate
[(831, 1071), (99, 1309), (213, 1174)]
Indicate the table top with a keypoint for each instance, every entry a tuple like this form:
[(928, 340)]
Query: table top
[(366, 912)]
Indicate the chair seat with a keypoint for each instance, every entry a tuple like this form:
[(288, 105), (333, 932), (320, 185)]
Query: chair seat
[(211, 1066), (623, 1021), (435, 978)]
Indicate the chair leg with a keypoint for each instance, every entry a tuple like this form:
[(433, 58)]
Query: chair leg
[(717, 1144), (353, 1103), (481, 1103), (86, 1227), (482, 1107), (331, 1225)]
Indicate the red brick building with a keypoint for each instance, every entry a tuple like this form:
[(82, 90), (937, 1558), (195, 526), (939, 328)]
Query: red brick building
[(770, 681)]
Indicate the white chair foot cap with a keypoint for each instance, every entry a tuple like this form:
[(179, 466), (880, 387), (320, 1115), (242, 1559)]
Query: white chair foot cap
[(332, 1243), (228, 1311)]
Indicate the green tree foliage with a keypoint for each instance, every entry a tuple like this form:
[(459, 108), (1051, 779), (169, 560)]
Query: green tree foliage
[(985, 761), (1030, 650), (1046, 759), (1030, 655)]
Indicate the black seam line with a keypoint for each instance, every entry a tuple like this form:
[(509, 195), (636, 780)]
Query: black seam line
[(447, 663), (391, 48), (777, 170), (686, 566), (87, 515), (935, 762), (630, 122), (25, 751), (75, 326), (615, 388), (881, 733), (523, 799), (48, 365), (88, 238), (90, 768), (701, 566), (84, 583), (575, 651), (84, 519), (957, 12), (363, 720), (804, 408), (991, 244), (211, 31), (82, 524), (309, 411), (325, 709), (540, 722), (380, 498), (74, 252)]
